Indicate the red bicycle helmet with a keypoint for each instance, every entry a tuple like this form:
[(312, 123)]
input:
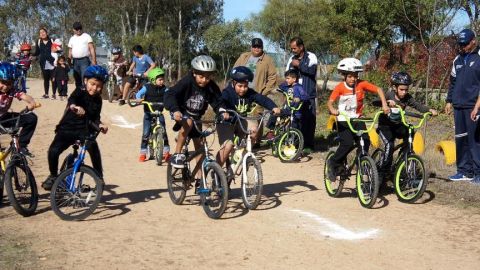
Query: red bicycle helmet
[(25, 47)]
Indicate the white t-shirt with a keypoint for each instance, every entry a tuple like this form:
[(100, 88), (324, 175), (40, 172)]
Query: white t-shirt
[(79, 45)]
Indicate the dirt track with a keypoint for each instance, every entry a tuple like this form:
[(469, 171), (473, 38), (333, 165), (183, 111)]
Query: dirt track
[(297, 227)]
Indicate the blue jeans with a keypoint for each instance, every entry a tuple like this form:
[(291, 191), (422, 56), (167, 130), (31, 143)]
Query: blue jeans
[(467, 143), (79, 67), (147, 125)]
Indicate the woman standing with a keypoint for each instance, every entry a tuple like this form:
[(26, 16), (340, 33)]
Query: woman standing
[(44, 53)]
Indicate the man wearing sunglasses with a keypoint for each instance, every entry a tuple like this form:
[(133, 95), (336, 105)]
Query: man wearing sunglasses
[(462, 96)]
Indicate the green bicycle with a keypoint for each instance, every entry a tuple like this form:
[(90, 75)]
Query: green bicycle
[(156, 141), (410, 177), (366, 175)]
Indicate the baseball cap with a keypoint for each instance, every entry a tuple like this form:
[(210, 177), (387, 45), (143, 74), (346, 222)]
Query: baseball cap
[(257, 42), (465, 36), (77, 26)]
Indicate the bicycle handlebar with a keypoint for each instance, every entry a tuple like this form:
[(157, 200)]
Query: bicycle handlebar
[(150, 105), (203, 133), (423, 117), (15, 128), (372, 120), (289, 101), (238, 117)]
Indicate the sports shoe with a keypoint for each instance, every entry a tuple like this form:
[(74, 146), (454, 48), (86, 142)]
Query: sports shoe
[(460, 177), (121, 102), (54, 97), (178, 160), (142, 158), (45, 96), (48, 183), (476, 180), (26, 152)]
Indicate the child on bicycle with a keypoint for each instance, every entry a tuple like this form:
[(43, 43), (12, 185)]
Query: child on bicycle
[(239, 97), (351, 93), (390, 126), (28, 121), (141, 65), (83, 108), (153, 92), (118, 65), (295, 95), (60, 77), (189, 99), (24, 58)]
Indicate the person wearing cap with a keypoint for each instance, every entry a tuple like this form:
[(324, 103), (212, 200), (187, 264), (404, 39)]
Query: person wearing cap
[(81, 52), (262, 66), (462, 96), (305, 63)]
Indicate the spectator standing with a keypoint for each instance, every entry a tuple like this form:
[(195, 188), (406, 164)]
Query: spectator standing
[(43, 52), (462, 96), (306, 64), (81, 52)]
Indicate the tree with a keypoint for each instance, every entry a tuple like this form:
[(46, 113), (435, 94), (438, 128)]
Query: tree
[(472, 8)]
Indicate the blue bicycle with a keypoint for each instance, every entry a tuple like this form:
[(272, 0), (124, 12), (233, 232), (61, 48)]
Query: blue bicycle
[(78, 189), (21, 82)]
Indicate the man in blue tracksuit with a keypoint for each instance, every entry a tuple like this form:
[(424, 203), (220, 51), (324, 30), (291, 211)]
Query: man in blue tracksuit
[(306, 64), (462, 94)]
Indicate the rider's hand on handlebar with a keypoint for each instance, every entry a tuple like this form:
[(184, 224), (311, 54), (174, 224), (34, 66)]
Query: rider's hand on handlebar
[(434, 112), (296, 100), (77, 110), (276, 111), (334, 112), (386, 109), (177, 116), (391, 103), (226, 116)]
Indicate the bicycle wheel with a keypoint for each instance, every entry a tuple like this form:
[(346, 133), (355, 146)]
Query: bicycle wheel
[(290, 145), (158, 149), (177, 187), (21, 187), (110, 90), (252, 185), (131, 97), (1, 186), (333, 188), (410, 179), (377, 156), (75, 197), (214, 196), (367, 182)]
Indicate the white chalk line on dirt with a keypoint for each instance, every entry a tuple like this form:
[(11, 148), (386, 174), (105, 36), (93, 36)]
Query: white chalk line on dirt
[(120, 121), (335, 231)]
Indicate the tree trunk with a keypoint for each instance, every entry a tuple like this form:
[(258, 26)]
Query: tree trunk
[(149, 10), (179, 45), (127, 19), (136, 18)]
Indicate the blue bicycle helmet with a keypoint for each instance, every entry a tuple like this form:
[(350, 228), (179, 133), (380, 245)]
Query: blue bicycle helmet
[(8, 72), (241, 74), (97, 72)]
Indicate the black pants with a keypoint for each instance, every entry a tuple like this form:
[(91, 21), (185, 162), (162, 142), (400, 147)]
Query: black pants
[(47, 78), (28, 122), (61, 142), (309, 123), (62, 87), (388, 134), (347, 140), (467, 143)]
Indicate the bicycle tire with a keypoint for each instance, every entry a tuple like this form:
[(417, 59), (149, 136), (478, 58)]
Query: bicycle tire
[(333, 188), (285, 145), (252, 188), (403, 187), (2, 177), (110, 90), (159, 144), (367, 191), (216, 186), (61, 198), (177, 188), (377, 156), (131, 97), (27, 187)]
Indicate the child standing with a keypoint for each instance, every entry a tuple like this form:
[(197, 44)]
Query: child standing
[(25, 59), (351, 93), (153, 92), (60, 77), (296, 96)]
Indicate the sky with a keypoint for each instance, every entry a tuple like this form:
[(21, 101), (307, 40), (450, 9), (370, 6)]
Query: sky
[(241, 9)]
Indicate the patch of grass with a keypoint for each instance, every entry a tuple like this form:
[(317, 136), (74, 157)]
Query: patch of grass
[(15, 253)]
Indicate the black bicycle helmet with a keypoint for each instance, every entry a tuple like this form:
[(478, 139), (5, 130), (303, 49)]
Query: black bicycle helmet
[(116, 50), (97, 72), (401, 78), (241, 74)]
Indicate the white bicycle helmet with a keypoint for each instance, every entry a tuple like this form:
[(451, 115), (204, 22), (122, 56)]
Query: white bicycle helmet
[(204, 63), (350, 65)]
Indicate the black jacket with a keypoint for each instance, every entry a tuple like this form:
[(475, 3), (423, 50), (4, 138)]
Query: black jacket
[(44, 51), (407, 101), (154, 93), (465, 80), (187, 97), (243, 104), (71, 123)]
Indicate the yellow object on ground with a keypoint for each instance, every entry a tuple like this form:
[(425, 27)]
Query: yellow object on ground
[(331, 121), (418, 143), (374, 138), (447, 148)]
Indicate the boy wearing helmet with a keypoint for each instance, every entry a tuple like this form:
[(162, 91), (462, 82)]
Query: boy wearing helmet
[(190, 97), (118, 65), (239, 97), (351, 93), (153, 91), (25, 59), (83, 108), (390, 126), (28, 122)]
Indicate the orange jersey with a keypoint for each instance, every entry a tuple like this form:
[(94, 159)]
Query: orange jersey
[(343, 90)]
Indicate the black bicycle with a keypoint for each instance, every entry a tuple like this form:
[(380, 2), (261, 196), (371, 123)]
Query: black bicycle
[(212, 187), (16, 175)]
